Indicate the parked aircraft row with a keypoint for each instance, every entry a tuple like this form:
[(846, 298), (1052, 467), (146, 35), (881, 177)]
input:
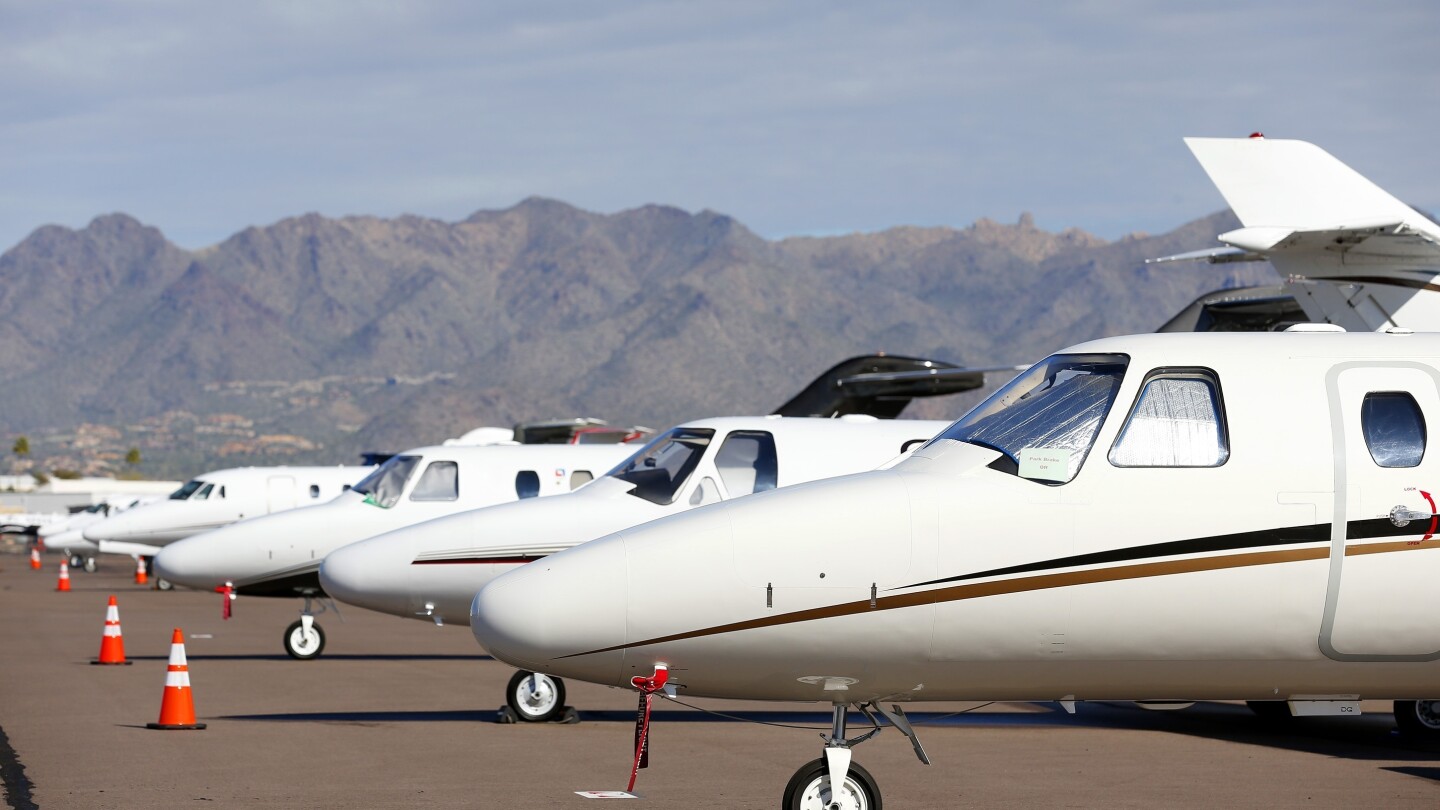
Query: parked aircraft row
[(1166, 517)]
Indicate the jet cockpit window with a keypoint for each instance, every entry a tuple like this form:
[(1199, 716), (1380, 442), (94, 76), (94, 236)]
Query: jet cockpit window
[(185, 491), (1178, 421), (204, 493), (1046, 419), (439, 482), (383, 487), (1394, 428), (660, 469), (747, 463)]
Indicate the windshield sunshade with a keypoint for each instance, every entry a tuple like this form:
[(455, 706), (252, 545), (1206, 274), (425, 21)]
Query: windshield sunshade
[(662, 467), (384, 486), (1045, 420)]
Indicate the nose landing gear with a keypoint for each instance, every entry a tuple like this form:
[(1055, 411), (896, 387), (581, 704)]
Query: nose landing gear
[(304, 639), (814, 786)]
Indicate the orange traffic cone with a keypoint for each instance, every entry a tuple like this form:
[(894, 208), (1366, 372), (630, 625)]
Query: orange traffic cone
[(64, 583), (112, 644), (140, 578), (34, 559), (177, 708)]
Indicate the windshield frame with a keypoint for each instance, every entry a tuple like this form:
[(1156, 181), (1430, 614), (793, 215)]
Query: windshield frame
[(646, 485), (186, 490), (1038, 380), (384, 476)]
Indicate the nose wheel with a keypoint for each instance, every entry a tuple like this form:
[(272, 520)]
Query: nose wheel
[(810, 789), (304, 640), (535, 697)]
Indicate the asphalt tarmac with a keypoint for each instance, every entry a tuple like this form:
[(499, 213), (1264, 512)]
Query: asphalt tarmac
[(399, 713)]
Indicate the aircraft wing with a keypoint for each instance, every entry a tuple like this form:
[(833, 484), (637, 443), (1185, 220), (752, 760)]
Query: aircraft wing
[(1223, 255)]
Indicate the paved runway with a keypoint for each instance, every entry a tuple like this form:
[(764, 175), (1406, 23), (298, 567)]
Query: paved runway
[(397, 713)]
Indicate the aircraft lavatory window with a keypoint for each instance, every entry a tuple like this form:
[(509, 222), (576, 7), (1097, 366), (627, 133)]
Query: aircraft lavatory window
[(1177, 422), (527, 484), (580, 478), (747, 463), (1394, 429), (441, 482)]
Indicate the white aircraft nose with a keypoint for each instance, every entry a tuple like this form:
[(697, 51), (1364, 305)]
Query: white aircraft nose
[(555, 615), (372, 574)]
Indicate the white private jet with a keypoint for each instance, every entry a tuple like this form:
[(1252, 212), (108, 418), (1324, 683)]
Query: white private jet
[(295, 543), (217, 499), (432, 570), (279, 555), (1154, 517), (67, 535)]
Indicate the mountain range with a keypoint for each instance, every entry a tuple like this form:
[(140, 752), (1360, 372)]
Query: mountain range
[(362, 333)]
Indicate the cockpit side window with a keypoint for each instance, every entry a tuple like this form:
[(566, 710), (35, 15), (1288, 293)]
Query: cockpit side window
[(220, 493), (660, 469), (439, 482), (1045, 420), (185, 491), (1178, 421), (383, 486), (1394, 428), (203, 494), (747, 462)]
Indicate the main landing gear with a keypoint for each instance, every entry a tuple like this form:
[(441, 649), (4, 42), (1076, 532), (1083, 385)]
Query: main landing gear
[(813, 787), (1418, 719), (304, 639)]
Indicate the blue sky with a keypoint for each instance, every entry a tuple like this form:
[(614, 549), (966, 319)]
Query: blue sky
[(799, 117)]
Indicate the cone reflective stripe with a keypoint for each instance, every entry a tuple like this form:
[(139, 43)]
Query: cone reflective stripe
[(112, 644), (177, 708), (35, 559), (140, 577), (64, 583)]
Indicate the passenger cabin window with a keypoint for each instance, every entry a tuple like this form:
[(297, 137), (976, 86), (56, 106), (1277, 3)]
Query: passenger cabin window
[(1394, 428), (580, 478), (747, 463), (660, 469), (382, 487), (439, 482), (1177, 421), (1045, 420), (314, 490), (527, 484)]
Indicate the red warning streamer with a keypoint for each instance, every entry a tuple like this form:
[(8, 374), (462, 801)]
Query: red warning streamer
[(648, 686), (227, 595)]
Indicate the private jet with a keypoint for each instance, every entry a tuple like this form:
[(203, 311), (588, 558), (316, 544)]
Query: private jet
[(67, 535), (217, 499), (1164, 517)]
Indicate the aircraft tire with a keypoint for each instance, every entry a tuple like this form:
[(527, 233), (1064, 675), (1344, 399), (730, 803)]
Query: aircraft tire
[(164, 585), (89, 565), (1418, 719), (76, 561), (803, 791), (538, 704), (299, 646)]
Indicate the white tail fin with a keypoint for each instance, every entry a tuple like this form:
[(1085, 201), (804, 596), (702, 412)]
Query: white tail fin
[(1298, 186)]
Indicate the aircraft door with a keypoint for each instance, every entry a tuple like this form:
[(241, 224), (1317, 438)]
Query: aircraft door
[(1381, 599), (280, 493)]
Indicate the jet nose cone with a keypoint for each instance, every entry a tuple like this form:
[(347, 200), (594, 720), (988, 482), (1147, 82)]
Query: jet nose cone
[(179, 563), (561, 614), (373, 574)]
